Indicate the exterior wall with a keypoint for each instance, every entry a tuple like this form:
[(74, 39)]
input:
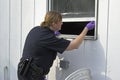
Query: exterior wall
[(101, 56), (17, 17), (4, 39), (15, 36), (113, 41)]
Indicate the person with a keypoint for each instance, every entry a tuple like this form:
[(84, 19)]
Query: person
[(42, 45)]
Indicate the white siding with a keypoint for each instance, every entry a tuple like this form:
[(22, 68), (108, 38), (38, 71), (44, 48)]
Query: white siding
[(4, 39), (15, 36), (114, 40), (17, 17)]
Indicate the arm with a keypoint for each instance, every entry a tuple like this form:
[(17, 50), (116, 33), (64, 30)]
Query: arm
[(74, 44)]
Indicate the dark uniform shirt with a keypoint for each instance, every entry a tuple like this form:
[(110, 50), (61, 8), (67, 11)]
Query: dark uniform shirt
[(42, 44)]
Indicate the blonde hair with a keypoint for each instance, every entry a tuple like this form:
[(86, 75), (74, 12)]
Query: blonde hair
[(51, 17)]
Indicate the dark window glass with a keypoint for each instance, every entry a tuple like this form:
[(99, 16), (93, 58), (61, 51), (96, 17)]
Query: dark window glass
[(75, 28)]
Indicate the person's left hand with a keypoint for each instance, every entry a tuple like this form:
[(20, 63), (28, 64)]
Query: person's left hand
[(90, 25), (57, 33)]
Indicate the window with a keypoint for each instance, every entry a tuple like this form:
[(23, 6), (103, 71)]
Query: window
[(76, 14)]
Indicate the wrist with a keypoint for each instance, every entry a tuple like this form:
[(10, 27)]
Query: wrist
[(84, 32), (86, 28)]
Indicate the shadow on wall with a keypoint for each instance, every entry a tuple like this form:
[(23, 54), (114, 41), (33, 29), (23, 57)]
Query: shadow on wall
[(95, 59), (91, 54)]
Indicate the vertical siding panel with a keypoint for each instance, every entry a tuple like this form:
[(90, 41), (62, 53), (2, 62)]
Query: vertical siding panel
[(40, 10), (15, 36), (28, 17), (114, 40), (4, 39)]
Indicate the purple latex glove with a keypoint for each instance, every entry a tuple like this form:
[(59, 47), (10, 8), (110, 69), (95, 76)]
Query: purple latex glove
[(57, 33), (90, 25)]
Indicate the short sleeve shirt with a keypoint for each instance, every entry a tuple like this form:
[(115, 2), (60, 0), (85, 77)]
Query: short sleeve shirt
[(43, 44)]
